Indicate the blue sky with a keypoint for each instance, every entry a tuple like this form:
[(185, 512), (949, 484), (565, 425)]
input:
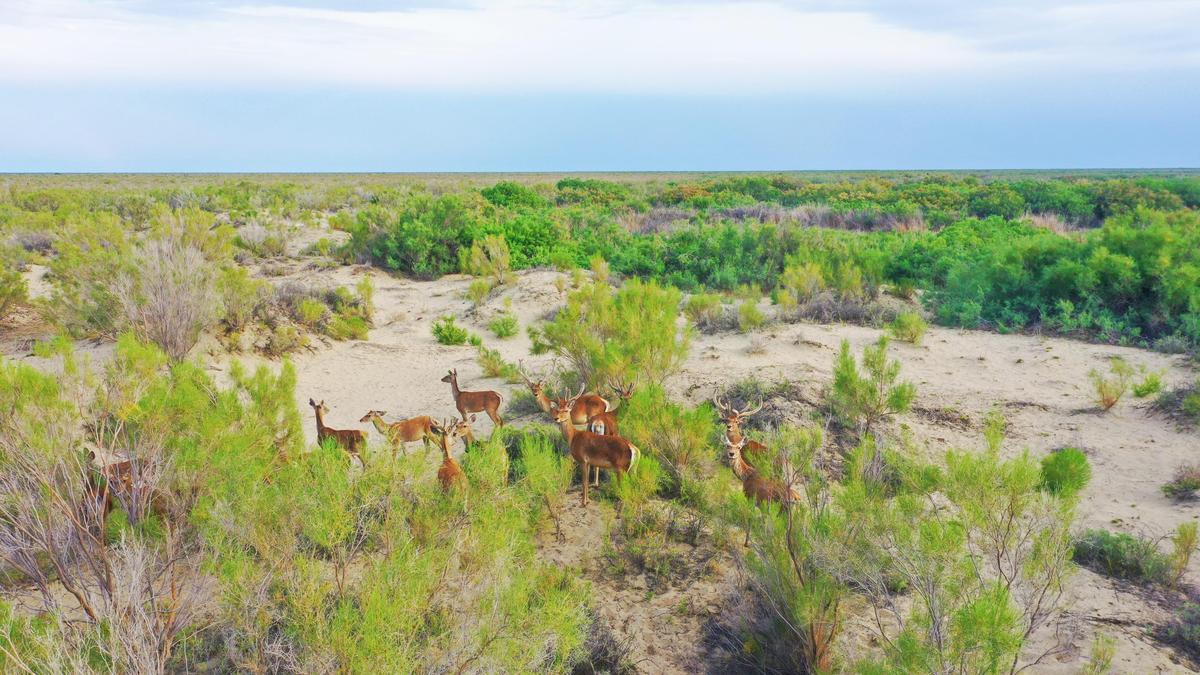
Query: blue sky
[(606, 85)]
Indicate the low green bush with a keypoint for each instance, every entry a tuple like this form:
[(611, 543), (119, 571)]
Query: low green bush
[(703, 308), (1183, 630), (347, 328), (1109, 389), (447, 332), (750, 317), (908, 327), (1065, 472), (504, 326), (1150, 384), (1122, 556)]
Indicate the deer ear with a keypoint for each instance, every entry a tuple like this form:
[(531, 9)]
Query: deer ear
[(312, 402), (472, 419)]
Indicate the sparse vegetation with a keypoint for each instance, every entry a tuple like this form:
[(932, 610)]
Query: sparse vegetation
[(504, 326), (1110, 388), (447, 332), (1065, 472), (863, 399), (1123, 556), (1151, 383), (908, 327), (1184, 484)]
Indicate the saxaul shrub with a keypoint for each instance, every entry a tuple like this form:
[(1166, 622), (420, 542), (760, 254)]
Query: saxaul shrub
[(1122, 556), (864, 398), (1065, 472), (908, 327), (629, 334), (678, 437), (490, 258), (447, 332), (1110, 388), (1184, 484), (504, 326), (171, 298), (703, 309)]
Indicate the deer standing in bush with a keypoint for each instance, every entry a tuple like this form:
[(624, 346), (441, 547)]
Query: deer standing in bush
[(450, 474), (353, 441), (122, 482), (402, 432), (605, 423), (474, 401), (584, 408), (733, 426), (589, 449), (756, 486)]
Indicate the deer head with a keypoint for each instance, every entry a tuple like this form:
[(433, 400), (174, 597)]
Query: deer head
[(319, 408), (373, 414), (451, 376), (562, 407), (623, 389), (451, 429), (732, 417)]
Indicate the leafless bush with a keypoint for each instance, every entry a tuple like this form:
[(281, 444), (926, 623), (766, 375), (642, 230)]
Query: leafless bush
[(1049, 221), (827, 307), (656, 220), (33, 242), (171, 298)]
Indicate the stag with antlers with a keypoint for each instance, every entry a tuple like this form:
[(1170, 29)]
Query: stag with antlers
[(589, 449), (605, 423), (402, 432), (733, 420), (585, 406), (353, 441), (474, 401)]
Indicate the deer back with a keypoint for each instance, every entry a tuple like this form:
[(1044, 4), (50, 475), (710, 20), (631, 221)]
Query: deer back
[(587, 406), (413, 429), (478, 401), (606, 452), (604, 424)]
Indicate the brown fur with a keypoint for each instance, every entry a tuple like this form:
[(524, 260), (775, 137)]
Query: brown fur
[(404, 431), (733, 430), (450, 474), (474, 401), (589, 449), (605, 423), (757, 487), (352, 441), (108, 483)]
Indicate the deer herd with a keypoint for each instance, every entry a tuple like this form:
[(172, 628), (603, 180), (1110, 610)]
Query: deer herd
[(588, 422)]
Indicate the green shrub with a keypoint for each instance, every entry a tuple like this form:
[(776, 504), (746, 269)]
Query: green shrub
[(347, 328), (504, 326), (908, 327), (490, 257), (446, 332), (1183, 631), (494, 365), (750, 317), (13, 291), (703, 308), (284, 339), (1065, 472), (630, 334), (637, 486), (864, 399), (479, 290), (1109, 390), (365, 288), (1150, 384), (1183, 545), (311, 312), (678, 437), (1122, 556), (1185, 483)]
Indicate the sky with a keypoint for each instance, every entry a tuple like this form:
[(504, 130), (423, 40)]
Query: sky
[(597, 85)]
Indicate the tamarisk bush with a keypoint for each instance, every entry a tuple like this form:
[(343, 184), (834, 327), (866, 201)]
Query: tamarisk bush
[(864, 398)]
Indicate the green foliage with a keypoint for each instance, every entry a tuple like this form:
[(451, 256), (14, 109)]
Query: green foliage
[(637, 486), (629, 334), (494, 365), (750, 317), (864, 398), (1183, 545), (447, 332), (678, 437), (241, 296), (504, 326), (1122, 556), (908, 327), (1066, 472), (347, 328), (489, 257), (1183, 631), (13, 291), (1100, 660), (479, 290), (1150, 384), (312, 312), (1109, 390), (703, 309)]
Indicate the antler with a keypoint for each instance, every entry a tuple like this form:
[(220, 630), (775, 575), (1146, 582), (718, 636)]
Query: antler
[(521, 371), (571, 401), (722, 408), (754, 410)]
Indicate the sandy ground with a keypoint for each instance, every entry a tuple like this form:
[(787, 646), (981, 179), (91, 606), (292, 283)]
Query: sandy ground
[(1040, 383)]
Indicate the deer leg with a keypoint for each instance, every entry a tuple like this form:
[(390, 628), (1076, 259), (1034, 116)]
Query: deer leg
[(495, 418), (596, 472), (586, 478)]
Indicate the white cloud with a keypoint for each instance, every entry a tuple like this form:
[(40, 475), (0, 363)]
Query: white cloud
[(594, 45)]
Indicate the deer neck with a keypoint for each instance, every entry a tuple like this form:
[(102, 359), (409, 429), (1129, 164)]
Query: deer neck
[(543, 401), (454, 388), (446, 450), (320, 422), (380, 425), (568, 430), (742, 469)]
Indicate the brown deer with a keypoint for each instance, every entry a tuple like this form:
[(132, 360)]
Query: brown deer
[(589, 449), (121, 481), (353, 441), (754, 485), (474, 401), (450, 474), (586, 405), (605, 423), (402, 432), (733, 427)]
